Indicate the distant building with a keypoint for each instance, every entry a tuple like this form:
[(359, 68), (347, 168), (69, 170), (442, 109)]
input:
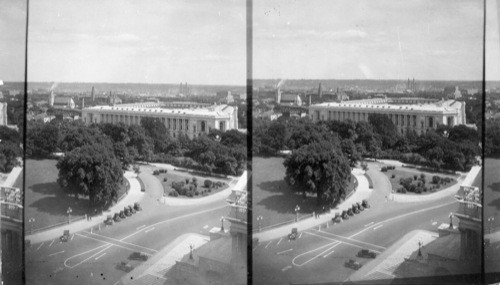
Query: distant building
[(224, 97), (291, 99), (417, 114), (191, 122), (3, 114), (185, 105), (63, 102)]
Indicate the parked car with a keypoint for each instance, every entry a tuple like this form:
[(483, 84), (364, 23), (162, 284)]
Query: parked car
[(360, 206), (337, 218), (350, 212), (293, 234), (351, 263), (137, 206), (127, 212), (109, 220), (138, 256), (367, 253), (345, 216), (132, 210), (365, 204), (65, 236), (355, 209), (117, 218), (125, 266), (122, 215)]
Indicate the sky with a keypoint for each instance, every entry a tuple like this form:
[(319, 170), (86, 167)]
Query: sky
[(492, 40), (12, 39), (128, 41), (368, 39)]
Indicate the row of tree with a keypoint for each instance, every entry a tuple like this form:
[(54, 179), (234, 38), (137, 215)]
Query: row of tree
[(10, 150)]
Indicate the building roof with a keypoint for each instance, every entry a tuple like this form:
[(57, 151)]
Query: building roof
[(446, 106), (211, 111)]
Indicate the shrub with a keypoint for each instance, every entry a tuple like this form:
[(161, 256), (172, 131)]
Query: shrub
[(196, 193), (425, 189), (165, 179), (418, 190), (191, 187), (415, 177), (184, 190), (433, 190), (393, 176), (422, 176), (403, 190), (411, 188), (384, 169), (156, 172), (209, 190), (436, 179), (190, 194), (173, 193), (208, 183), (187, 180)]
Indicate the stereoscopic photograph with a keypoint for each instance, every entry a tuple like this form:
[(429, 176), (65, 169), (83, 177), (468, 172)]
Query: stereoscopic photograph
[(136, 151), (367, 158)]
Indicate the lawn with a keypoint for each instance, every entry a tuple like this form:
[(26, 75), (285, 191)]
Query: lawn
[(45, 200), (272, 198), (166, 180), (426, 185)]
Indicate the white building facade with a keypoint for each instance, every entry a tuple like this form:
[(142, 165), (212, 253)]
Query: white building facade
[(191, 122), (407, 114)]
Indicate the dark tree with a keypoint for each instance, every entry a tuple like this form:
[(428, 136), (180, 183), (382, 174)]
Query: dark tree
[(319, 168), (92, 171)]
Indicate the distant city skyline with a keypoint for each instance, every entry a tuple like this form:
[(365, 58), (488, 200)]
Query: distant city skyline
[(198, 42), (366, 39), (12, 40)]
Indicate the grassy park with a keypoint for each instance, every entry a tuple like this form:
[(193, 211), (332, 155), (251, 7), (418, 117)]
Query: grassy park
[(412, 181), (46, 201), (272, 198)]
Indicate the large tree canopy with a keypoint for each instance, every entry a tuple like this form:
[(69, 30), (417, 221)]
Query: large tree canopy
[(319, 168), (92, 171)]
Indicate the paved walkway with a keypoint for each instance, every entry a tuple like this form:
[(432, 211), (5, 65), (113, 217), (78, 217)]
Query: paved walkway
[(12, 177), (156, 268), (362, 192), (450, 191), (134, 195)]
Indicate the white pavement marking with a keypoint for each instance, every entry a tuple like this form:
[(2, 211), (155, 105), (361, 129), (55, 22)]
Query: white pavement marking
[(268, 244), (72, 236), (118, 245), (324, 256), (300, 235), (369, 224), (103, 254), (56, 253), (40, 246), (333, 245), (141, 227), (434, 223), (52, 242), (121, 241), (205, 227), (106, 246), (404, 215), (281, 252), (348, 243), (286, 268), (147, 231), (378, 227), (279, 241)]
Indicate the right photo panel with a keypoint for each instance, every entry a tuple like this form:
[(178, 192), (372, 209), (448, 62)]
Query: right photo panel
[(367, 142), (492, 144)]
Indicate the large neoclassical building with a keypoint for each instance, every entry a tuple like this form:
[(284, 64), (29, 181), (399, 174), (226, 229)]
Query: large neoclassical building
[(191, 121), (417, 114)]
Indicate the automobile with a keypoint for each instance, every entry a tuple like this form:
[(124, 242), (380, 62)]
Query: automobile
[(365, 204), (337, 218), (117, 217), (351, 263), (132, 210), (127, 212), (137, 206), (138, 256), (367, 253), (345, 216), (109, 220), (293, 234), (350, 212), (122, 215), (355, 209), (65, 236), (360, 206), (124, 266)]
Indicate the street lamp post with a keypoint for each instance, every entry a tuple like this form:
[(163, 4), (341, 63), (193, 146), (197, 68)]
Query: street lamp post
[(451, 221), (32, 222), (69, 214), (191, 252), (259, 220), (297, 209), (222, 224), (420, 249)]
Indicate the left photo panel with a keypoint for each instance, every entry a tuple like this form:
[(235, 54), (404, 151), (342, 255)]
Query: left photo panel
[(136, 156), (13, 16)]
